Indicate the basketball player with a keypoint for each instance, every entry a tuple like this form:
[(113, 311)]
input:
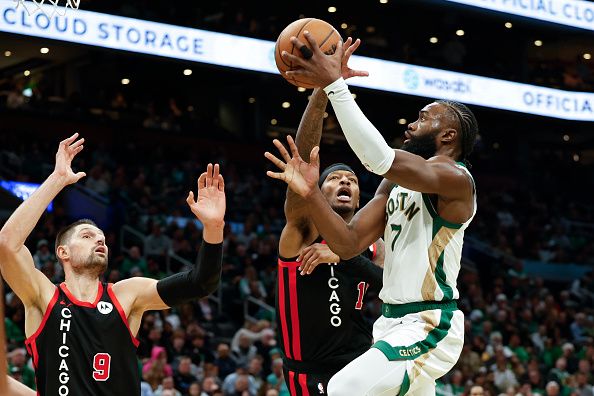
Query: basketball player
[(422, 207), (319, 319), (81, 333)]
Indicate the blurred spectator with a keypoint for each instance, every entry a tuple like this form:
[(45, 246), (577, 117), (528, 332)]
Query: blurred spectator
[(167, 388), (43, 254), (18, 368), (157, 368), (183, 377), (224, 361), (157, 244), (134, 260), (250, 286)]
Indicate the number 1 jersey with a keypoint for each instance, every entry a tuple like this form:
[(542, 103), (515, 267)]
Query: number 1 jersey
[(85, 348)]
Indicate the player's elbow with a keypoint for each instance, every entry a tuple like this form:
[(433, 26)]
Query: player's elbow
[(210, 287), (7, 244)]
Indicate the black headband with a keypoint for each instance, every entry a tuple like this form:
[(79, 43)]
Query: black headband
[(333, 168)]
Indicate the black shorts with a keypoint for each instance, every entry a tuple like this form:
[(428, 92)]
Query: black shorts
[(306, 384)]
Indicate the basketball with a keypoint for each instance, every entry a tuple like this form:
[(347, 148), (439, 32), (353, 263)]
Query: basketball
[(323, 33)]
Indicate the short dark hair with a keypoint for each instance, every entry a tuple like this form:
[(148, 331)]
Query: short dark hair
[(468, 126), (65, 233)]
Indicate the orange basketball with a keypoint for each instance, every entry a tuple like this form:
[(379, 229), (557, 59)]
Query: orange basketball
[(325, 35)]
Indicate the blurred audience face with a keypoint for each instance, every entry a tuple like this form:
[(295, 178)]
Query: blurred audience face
[(223, 351), (185, 366), (194, 389), (168, 383), (242, 383), (477, 391)]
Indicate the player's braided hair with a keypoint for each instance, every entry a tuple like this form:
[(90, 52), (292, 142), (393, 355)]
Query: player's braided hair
[(468, 127)]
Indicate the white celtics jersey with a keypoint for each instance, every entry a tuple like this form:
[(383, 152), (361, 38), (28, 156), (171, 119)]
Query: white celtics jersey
[(423, 251)]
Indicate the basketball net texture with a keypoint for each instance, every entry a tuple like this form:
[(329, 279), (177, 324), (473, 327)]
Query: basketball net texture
[(60, 7)]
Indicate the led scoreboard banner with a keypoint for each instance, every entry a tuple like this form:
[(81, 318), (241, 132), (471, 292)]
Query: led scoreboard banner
[(146, 37)]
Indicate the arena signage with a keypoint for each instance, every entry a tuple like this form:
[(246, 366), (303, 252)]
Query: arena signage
[(575, 13), (110, 31)]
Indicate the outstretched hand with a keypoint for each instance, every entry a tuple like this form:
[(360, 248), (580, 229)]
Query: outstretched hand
[(322, 69), (67, 150), (210, 205), (301, 176), (314, 255)]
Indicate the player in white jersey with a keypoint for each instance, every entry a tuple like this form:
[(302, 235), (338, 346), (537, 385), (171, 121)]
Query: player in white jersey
[(422, 207)]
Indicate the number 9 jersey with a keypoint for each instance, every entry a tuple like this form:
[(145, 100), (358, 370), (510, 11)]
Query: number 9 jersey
[(84, 348)]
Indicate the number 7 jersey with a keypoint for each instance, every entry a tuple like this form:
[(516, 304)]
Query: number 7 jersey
[(84, 348), (423, 251)]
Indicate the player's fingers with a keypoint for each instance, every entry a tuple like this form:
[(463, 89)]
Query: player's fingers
[(293, 147), (276, 175), (358, 73), (282, 150), (215, 176), (209, 169), (351, 48), (314, 156), (69, 140), (80, 175), (77, 143), (303, 253), (306, 261), (339, 52), (78, 149), (294, 60), (202, 181), (221, 183), (348, 42), (190, 198), (306, 52), (313, 265), (312, 43), (272, 158), (298, 73)]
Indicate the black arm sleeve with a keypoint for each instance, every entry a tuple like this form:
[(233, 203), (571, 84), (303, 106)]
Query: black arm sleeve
[(366, 269), (199, 282)]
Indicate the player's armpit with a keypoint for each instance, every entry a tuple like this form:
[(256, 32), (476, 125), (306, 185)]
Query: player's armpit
[(138, 294), (296, 235)]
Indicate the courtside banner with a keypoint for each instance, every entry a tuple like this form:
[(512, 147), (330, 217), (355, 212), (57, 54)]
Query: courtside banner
[(110, 31), (575, 13)]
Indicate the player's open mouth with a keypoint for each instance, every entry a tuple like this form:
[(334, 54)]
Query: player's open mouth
[(101, 249), (344, 195)]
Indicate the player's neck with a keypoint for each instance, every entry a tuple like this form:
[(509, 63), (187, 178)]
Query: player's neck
[(448, 151), (82, 286), (347, 216)]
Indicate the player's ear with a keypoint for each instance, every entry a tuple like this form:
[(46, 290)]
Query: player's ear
[(449, 135), (62, 252)]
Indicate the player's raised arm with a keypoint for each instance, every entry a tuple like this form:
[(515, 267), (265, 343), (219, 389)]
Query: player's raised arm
[(142, 294), (346, 240), (298, 225), (436, 176), (16, 261)]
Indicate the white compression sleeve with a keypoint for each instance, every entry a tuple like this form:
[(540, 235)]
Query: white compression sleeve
[(365, 140)]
